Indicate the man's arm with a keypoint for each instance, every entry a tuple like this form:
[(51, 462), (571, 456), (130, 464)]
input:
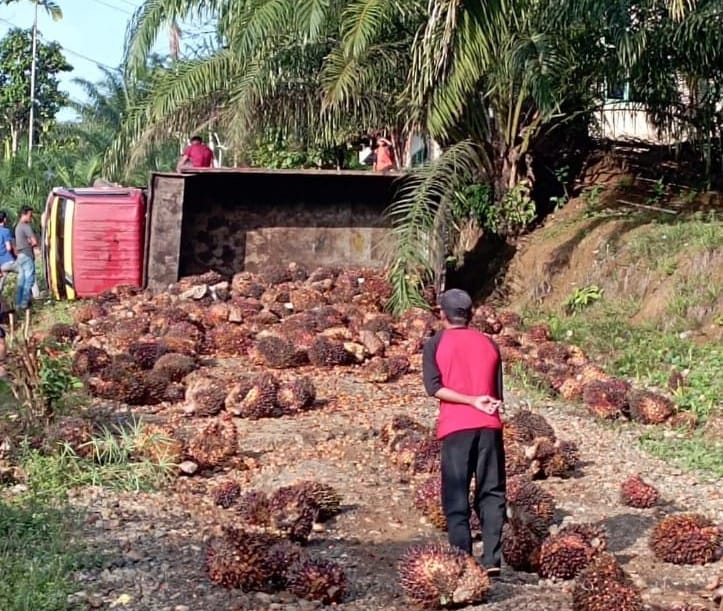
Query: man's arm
[(9, 247), (182, 161), (30, 235)]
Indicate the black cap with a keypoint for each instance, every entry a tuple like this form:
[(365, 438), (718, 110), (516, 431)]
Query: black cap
[(456, 303)]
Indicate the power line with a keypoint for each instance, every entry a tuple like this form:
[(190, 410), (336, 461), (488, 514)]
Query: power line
[(64, 48), (113, 6)]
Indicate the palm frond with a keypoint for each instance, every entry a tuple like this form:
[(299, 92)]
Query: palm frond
[(417, 246)]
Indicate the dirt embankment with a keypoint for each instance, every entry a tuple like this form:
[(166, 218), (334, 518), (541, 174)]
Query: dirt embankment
[(655, 249)]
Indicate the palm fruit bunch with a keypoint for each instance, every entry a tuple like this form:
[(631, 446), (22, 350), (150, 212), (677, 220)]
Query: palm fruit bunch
[(279, 353), (72, 431), (606, 399), (158, 444), (182, 337), (298, 333), (382, 370), (554, 352), (427, 456), (686, 539), (570, 388), (508, 339), (226, 493), (253, 508), (216, 313), (120, 381), (260, 400), (296, 395), (399, 427), (237, 393), (293, 512), (316, 579), (175, 366), (550, 458), (214, 443), (438, 576), (89, 360), (527, 497), (155, 384), (405, 450), (485, 320), (205, 396), (145, 354), (428, 500), (241, 560), (275, 274), (63, 333), (634, 492), (88, 311), (227, 339), (165, 318), (521, 540), (281, 557), (564, 554), (539, 333), (525, 426), (305, 298), (325, 352), (416, 324), (649, 407), (604, 585), (126, 331), (327, 499), (516, 460), (509, 319)]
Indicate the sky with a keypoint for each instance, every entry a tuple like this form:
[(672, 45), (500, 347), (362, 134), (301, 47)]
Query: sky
[(91, 33)]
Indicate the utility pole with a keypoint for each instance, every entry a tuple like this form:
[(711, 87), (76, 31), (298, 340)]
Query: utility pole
[(33, 65)]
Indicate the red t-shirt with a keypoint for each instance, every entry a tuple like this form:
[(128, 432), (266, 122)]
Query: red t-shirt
[(199, 154), (468, 362)]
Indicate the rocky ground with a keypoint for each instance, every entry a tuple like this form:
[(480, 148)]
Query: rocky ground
[(148, 549)]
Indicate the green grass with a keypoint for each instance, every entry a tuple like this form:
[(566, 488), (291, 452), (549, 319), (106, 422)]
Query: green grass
[(688, 452), (660, 243), (37, 556), (113, 464), (522, 378)]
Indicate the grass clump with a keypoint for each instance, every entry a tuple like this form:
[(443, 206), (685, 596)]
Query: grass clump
[(115, 461), (695, 451), (661, 241), (37, 556)]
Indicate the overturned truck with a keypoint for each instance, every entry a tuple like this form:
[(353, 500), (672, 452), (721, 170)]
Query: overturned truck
[(226, 220)]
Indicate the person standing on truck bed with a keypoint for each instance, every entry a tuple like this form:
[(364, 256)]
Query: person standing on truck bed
[(25, 243), (196, 154)]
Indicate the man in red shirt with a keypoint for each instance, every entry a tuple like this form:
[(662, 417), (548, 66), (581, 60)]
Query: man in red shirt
[(463, 369), (197, 154)]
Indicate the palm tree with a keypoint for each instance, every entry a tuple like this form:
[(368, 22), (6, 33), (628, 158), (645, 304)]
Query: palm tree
[(267, 76)]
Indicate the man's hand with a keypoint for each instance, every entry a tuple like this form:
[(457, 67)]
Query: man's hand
[(487, 404)]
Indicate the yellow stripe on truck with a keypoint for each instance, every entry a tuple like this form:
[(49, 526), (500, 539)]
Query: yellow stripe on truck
[(68, 248)]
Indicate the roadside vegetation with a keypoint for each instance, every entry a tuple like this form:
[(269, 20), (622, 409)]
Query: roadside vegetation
[(40, 530)]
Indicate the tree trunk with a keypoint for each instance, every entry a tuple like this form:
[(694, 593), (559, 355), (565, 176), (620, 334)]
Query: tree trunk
[(14, 139)]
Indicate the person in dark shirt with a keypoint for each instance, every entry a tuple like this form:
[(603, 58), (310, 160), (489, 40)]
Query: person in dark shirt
[(25, 244), (197, 155), (463, 369)]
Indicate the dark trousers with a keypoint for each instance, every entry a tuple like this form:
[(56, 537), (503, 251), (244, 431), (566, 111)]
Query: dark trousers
[(478, 453)]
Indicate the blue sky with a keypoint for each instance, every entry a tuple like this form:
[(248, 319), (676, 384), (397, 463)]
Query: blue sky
[(91, 32)]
